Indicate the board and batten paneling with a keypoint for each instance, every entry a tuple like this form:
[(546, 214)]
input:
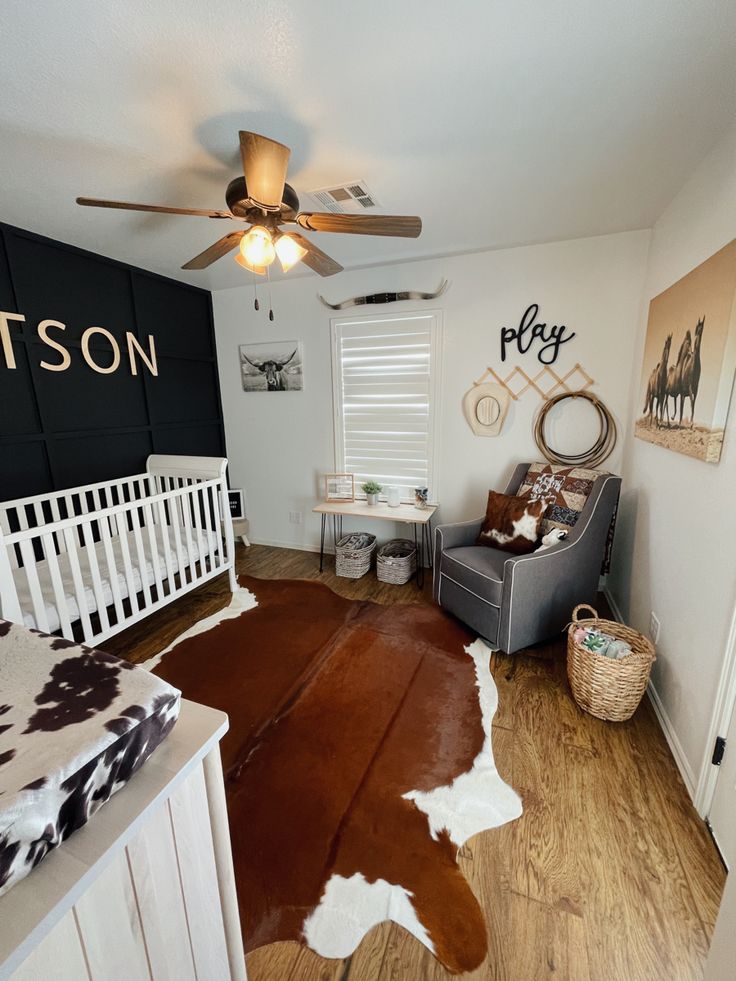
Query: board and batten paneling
[(153, 914), (69, 428)]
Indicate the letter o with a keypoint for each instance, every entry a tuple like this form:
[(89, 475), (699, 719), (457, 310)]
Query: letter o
[(88, 357)]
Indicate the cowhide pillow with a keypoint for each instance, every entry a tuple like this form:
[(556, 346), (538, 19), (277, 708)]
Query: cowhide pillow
[(512, 523)]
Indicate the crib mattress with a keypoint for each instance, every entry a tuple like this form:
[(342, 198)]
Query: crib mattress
[(75, 725), (44, 576)]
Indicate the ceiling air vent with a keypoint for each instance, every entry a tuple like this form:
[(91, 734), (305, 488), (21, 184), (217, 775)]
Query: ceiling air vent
[(351, 198)]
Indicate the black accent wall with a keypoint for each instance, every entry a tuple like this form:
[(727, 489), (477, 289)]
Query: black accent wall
[(61, 429)]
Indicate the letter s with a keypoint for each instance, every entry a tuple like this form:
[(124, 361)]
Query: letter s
[(65, 356)]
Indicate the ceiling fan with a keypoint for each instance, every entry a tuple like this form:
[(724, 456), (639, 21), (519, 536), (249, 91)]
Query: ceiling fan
[(263, 200)]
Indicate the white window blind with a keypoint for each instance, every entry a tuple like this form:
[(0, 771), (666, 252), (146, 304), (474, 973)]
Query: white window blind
[(385, 375)]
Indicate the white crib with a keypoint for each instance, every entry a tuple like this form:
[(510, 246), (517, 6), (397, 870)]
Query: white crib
[(90, 561)]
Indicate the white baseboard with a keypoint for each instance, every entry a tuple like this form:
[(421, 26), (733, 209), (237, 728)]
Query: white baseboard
[(663, 718), (617, 615), (672, 741)]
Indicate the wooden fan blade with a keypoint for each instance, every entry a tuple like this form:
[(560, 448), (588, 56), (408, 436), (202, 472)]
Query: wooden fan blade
[(315, 258), (215, 252), (264, 166), (160, 208), (399, 226)]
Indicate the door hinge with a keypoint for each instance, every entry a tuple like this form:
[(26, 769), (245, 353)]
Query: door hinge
[(718, 750)]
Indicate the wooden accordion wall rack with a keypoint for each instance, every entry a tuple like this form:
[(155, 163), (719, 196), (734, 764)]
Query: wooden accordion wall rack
[(517, 383)]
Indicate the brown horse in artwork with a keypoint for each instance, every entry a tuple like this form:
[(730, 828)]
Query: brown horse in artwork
[(691, 374), (660, 382), (675, 375), (650, 401)]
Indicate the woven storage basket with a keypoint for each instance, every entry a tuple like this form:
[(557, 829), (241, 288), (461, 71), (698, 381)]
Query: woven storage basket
[(602, 686), (353, 554), (396, 561)]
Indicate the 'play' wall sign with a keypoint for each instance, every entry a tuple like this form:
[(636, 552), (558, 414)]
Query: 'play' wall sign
[(64, 359), (529, 331)]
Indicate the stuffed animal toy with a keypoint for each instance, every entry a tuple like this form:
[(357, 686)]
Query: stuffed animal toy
[(552, 538)]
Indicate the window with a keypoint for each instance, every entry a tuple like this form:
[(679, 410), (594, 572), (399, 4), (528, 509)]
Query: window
[(386, 385)]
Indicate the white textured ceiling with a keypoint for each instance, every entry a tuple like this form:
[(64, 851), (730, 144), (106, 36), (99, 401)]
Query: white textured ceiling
[(500, 123)]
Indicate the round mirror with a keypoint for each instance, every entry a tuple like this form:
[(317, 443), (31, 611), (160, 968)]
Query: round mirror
[(487, 410)]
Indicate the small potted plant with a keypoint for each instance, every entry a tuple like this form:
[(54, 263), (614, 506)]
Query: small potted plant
[(371, 490)]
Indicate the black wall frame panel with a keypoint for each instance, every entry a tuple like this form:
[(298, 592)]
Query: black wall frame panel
[(62, 429)]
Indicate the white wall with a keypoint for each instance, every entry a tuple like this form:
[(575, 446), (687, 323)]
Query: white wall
[(676, 551), (279, 445)]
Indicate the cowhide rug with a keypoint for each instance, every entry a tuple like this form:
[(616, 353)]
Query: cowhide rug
[(358, 761)]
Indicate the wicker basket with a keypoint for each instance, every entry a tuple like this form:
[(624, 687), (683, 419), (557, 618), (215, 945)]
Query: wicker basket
[(604, 687), (353, 554), (396, 561)]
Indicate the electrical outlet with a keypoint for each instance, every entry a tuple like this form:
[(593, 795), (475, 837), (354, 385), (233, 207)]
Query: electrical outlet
[(295, 517), (654, 627)]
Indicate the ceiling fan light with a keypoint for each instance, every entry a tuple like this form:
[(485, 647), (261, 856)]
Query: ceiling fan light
[(289, 251), (242, 261), (257, 247)]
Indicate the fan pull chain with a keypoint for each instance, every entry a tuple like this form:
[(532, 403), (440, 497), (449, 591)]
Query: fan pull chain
[(270, 304), (256, 304)]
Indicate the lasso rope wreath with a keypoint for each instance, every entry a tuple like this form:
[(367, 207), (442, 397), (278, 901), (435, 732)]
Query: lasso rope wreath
[(598, 452)]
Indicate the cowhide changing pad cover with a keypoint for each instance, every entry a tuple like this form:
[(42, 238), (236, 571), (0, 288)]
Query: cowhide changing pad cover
[(75, 725)]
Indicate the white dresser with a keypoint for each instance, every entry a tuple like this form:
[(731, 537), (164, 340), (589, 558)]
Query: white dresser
[(146, 890)]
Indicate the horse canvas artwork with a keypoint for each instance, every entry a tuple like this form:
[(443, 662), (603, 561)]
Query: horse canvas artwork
[(690, 360), (272, 367)]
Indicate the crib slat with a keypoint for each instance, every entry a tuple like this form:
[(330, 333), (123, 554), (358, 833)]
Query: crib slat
[(22, 516), (56, 516), (122, 529), (186, 503), (150, 527), (71, 513), (175, 512), (58, 586), (79, 590), (94, 569), (10, 549), (34, 586), (198, 529), (38, 514), (217, 556), (112, 568), (210, 544), (141, 555), (166, 543)]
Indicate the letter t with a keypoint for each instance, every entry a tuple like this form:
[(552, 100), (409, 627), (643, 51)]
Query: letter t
[(5, 336)]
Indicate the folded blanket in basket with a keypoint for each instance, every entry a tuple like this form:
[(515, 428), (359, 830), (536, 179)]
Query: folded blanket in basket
[(602, 643)]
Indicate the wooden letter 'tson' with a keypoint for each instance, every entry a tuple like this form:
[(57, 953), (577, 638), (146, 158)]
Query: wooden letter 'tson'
[(133, 345)]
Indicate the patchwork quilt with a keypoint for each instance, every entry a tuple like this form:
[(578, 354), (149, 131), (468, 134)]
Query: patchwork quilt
[(75, 725), (565, 490)]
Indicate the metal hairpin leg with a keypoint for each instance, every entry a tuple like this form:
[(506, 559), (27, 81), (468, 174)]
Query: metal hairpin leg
[(430, 543), (322, 543), (336, 529), (418, 545)]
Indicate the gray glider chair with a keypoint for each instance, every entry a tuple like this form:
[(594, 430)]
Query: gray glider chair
[(514, 601)]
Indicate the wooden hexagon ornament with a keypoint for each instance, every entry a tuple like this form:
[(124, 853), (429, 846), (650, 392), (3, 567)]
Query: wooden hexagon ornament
[(485, 407)]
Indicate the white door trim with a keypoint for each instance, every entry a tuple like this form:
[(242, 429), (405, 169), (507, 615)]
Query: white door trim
[(724, 706)]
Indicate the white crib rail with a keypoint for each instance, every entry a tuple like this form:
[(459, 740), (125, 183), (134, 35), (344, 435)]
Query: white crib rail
[(113, 552)]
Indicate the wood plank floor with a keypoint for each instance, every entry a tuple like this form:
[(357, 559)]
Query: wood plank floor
[(609, 875)]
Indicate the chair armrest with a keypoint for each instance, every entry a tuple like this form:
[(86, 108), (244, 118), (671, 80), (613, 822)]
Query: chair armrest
[(454, 535), (457, 534)]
